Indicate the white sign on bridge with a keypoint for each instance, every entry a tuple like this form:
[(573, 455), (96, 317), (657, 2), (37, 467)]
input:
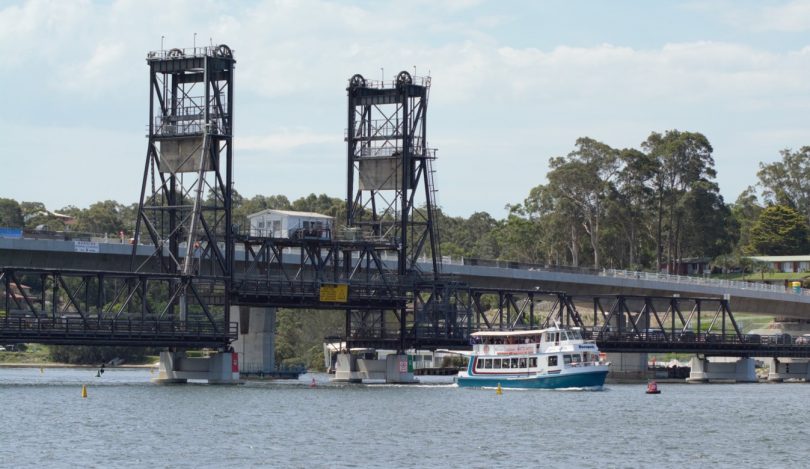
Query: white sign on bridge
[(85, 246)]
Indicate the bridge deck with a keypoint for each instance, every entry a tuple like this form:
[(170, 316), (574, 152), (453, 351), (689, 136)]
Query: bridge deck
[(128, 332)]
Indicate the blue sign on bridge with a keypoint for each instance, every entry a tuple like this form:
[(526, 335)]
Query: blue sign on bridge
[(10, 232)]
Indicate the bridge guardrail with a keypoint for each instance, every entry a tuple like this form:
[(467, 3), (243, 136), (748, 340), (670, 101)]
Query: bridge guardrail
[(448, 260)]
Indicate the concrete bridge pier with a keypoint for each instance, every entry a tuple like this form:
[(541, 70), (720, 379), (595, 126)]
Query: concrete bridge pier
[(356, 367), (627, 366), (176, 368), (256, 341), (781, 369), (739, 370)]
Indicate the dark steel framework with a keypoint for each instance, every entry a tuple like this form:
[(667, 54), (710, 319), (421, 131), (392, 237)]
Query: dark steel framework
[(181, 294), (184, 212), (283, 272), (390, 190), (77, 307), (391, 194)]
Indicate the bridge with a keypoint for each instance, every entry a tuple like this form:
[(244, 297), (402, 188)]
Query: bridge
[(384, 273)]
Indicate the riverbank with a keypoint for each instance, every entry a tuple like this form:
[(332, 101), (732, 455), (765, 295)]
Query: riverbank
[(72, 365)]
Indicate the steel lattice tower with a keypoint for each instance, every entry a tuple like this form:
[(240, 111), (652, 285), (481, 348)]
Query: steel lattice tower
[(390, 191), (185, 202)]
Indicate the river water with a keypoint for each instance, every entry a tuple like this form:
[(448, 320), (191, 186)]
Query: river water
[(128, 422)]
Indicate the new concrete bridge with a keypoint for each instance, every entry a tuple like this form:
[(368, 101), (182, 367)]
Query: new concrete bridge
[(108, 255)]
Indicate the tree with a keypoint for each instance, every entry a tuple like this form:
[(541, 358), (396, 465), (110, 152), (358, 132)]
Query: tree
[(633, 203), (779, 231), (101, 217), (10, 214), (684, 162), (745, 210), (585, 178), (787, 182)]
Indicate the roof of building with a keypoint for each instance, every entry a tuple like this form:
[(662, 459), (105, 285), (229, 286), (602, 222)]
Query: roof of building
[(291, 213), (797, 258)]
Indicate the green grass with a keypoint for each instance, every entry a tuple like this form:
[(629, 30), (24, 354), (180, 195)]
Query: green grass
[(758, 277), (34, 354)]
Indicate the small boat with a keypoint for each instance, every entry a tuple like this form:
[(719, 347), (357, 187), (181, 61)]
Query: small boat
[(652, 388), (551, 358)]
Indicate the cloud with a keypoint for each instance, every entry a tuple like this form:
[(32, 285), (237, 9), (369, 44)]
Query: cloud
[(94, 74), (283, 140), (791, 17), (512, 95)]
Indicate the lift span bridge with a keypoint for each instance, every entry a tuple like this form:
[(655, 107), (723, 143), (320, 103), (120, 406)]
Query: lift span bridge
[(183, 293)]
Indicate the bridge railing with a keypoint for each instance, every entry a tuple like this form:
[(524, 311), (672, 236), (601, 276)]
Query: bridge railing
[(115, 327), (620, 273)]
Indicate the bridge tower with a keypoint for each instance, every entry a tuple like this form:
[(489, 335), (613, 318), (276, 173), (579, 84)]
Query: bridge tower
[(184, 212), (390, 190), (391, 193)]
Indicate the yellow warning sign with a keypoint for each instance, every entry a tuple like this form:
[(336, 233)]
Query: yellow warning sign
[(335, 293)]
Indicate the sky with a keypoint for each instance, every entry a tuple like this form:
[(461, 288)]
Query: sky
[(514, 83)]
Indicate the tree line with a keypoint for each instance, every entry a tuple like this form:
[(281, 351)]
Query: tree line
[(643, 208)]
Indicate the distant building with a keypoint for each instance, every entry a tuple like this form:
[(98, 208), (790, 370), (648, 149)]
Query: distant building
[(687, 266), (787, 264), (289, 224)]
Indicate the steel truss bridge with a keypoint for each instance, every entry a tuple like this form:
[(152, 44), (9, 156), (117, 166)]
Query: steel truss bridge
[(73, 307), (174, 298)]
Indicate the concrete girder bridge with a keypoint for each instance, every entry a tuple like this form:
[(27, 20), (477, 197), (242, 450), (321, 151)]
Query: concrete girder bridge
[(185, 286)]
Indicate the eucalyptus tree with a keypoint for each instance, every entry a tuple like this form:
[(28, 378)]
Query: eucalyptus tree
[(585, 179), (684, 162), (559, 223), (10, 213), (633, 204), (787, 182), (745, 211)]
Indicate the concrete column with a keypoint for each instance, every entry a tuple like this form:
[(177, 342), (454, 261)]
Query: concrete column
[(781, 369), (398, 370), (176, 368), (256, 342), (627, 366), (739, 370), (346, 369)]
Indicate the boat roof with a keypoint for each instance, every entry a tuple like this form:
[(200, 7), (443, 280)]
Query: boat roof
[(513, 333)]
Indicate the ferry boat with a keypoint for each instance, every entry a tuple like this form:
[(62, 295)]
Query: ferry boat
[(550, 358)]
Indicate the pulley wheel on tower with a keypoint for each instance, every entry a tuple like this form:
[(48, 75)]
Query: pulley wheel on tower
[(175, 53), (357, 81), (404, 78), (223, 51)]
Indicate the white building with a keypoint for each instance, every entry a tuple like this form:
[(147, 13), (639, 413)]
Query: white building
[(788, 264), (288, 224)]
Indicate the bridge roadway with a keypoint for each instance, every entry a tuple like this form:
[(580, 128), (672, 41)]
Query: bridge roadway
[(744, 298), (64, 255)]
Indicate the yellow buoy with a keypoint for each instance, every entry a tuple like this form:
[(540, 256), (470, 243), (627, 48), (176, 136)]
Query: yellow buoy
[(84, 391), (499, 391)]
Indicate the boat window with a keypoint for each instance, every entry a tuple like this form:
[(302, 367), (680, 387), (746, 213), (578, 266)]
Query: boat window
[(521, 363), (487, 363), (575, 335), (496, 363), (514, 362), (567, 359), (533, 362), (552, 360), (576, 358)]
